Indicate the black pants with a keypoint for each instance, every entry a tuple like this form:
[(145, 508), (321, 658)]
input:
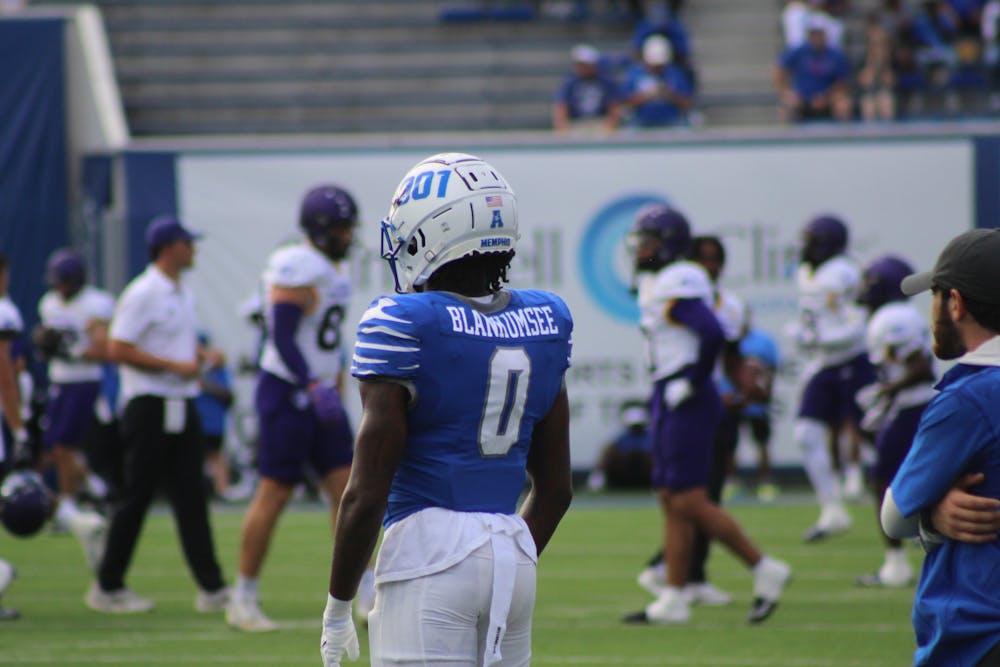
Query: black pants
[(992, 658), (152, 458)]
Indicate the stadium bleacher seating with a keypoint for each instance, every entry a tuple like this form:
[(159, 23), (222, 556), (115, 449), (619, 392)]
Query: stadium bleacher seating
[(314, 66)]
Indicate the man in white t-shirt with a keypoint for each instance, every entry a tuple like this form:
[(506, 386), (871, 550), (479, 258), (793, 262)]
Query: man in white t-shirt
[(154, 338)]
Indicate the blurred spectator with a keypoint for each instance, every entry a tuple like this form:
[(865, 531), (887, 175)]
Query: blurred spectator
[(990, 25), (811, 80), (626, 463), (797, 16), (587, 99), (663, 21), (933, 29), (658, 91), (966, 15), (213, 402), (760, 364), (876, 81)]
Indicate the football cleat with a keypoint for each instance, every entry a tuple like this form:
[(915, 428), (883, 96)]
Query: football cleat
[(671, 608), (833, 520), (213, 602), (652, 579), (246, 615), (894, 573), (769, 580), (767, 492), (122, 601), (706, 594)]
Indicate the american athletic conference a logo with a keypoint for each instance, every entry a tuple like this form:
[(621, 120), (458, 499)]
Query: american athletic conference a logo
[(605, 268)]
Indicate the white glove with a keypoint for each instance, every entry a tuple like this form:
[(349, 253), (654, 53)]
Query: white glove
[(339, 634), (676, 392)]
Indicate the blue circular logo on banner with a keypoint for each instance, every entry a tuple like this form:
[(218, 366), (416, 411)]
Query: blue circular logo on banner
[(605, 268)]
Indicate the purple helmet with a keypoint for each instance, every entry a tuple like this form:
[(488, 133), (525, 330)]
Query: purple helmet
[(880, 281), (669, 227), (325, 207), (65, 267), (824, 237), (25, 503)]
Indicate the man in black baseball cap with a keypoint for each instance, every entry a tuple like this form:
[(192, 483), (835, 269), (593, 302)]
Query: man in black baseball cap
[(970, 263), (953, 467), (967, 277)]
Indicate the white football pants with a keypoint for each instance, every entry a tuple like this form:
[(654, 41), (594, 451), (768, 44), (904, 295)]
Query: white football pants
[(444, 618)]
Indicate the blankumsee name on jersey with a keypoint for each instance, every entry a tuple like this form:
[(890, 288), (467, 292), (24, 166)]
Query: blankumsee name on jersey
[(518, 323)]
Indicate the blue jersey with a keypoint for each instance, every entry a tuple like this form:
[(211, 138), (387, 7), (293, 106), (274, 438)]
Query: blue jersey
[(211, 410), (480, 378), (956, 610)]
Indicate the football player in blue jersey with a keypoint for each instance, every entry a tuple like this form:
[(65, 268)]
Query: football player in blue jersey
[(302, 421), (684, 340), (463, 389), (899, 345)]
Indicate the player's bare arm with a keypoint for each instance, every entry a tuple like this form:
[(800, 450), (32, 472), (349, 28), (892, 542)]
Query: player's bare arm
[(549, 471), (378, 448), (10, 394), (122, 352), (303, 297), (97, 332)]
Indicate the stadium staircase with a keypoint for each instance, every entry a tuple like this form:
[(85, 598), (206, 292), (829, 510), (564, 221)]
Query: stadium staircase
[(249, 67)]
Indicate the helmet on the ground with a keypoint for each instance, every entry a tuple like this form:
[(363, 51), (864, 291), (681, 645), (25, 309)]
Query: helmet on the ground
[(325, 207), (669, 228), (449, 206), (25, 503), (880, 281), (823, 237)]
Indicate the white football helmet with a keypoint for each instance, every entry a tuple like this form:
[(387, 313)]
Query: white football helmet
[(449, 206)]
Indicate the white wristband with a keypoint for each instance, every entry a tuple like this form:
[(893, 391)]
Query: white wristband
[(336, 608)]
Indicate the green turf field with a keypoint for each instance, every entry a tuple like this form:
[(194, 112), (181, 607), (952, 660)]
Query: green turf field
[(586, 582)]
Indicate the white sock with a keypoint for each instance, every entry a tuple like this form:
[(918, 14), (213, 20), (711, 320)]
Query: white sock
[(96, 486), (812, 437), (246, 588), (67, 509), (895, 555)]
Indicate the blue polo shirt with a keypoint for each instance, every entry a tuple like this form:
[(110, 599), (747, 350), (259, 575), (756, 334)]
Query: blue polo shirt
[(658, 113), (588, 97), (813, 72), (956, 610)]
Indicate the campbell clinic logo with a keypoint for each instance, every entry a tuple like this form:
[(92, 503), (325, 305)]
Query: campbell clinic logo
[(605, 266)]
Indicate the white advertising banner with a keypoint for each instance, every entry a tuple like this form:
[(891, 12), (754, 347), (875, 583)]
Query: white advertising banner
[(576, 204)]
